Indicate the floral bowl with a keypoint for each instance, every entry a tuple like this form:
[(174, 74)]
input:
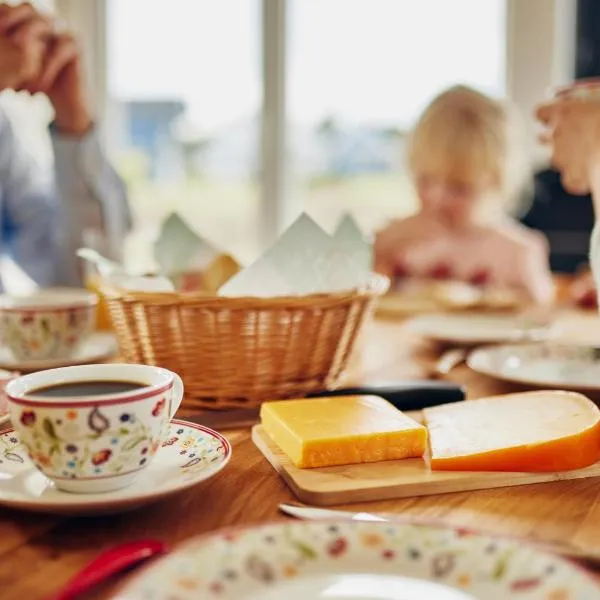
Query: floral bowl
[(46, 325)]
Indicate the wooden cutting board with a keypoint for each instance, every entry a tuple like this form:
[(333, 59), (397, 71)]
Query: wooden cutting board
[(390, 479)]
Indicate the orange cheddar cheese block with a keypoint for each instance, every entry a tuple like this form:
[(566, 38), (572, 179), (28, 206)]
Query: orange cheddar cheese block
[(342, 430), (533, 431)]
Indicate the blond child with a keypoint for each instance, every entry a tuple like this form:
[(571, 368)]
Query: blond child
[(466, 162)]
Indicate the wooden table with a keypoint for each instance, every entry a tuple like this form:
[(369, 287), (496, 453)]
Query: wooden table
[(40, 553)]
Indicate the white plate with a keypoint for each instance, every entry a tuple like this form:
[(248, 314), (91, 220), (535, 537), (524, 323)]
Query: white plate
[(574, 368), (358, 561), (418, 297), (191, 454), (476, 328), (397, 305), (99, 347)]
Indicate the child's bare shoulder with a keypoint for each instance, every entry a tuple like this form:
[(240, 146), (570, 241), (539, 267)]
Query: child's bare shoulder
[(397, 229), (401, 223)]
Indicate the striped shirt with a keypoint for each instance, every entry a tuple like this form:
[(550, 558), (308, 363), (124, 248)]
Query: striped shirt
[(45, 215)]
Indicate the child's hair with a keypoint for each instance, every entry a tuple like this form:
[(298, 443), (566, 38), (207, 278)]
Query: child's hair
[(464, 133)]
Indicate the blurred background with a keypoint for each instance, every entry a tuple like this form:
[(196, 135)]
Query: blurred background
[(239, 114)]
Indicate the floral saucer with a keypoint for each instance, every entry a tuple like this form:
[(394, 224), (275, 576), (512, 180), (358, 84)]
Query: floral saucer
[(358, 561), (190, 454), (97, 348)]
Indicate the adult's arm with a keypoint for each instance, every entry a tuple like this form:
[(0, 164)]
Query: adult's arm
[(49, 215), (93, 199)]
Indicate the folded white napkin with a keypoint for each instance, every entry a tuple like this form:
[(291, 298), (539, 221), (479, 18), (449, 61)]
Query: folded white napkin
[(307, 260), (180, 249)]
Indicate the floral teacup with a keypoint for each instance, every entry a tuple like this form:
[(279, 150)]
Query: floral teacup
[(94, 443), (47, 324)]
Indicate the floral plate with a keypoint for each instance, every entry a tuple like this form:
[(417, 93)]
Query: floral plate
[(358, 561), (191, 454)]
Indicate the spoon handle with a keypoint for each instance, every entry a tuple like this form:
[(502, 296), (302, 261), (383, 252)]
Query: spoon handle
[(449, 360)]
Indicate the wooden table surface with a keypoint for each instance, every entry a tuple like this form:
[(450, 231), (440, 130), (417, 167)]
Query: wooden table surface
[(40, 553)]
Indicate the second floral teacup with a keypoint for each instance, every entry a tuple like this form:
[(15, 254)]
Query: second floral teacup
[(47, 324), (94, 428)]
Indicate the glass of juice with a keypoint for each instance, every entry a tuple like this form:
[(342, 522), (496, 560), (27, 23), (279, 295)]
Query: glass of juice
[(93, 280), (93, 284)]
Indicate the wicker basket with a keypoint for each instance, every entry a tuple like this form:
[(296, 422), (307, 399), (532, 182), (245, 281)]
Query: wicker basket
[(238, 352)]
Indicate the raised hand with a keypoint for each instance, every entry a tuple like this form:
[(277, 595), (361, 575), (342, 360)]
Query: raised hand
[(22, 46), (573, 132), (61, 79), (36, 58)]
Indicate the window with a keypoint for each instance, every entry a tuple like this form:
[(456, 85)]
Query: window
[(359, 73), (185, 117), (185, 109), (180, 87)]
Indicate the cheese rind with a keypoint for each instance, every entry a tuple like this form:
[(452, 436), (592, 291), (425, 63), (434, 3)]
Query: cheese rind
[(534, 432), (342, 430)]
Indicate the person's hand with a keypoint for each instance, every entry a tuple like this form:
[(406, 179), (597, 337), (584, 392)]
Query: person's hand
[(573, 131), (17, 65), (62, 81), (21, 57), (59, 75)]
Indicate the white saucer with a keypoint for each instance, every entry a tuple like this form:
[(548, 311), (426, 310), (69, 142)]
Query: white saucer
[(552, 366), (475, 328), (99, 347), (190, 454)]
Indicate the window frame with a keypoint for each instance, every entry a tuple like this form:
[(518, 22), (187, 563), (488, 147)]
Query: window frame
[(540, 54), (88, 19)]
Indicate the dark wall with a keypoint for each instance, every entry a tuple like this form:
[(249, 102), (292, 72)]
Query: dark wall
[(587, 51), (566, 220)]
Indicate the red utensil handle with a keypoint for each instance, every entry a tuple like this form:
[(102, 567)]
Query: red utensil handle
[(110, 563)]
